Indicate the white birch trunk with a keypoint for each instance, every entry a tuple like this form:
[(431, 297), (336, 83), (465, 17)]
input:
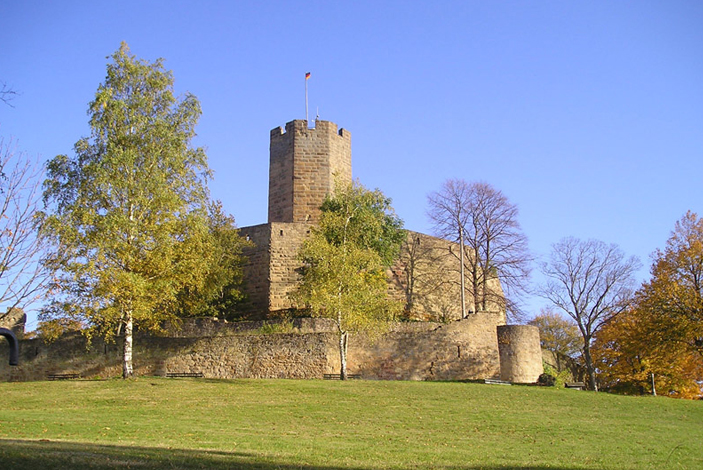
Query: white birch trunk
[(343, 341), (127, 370)]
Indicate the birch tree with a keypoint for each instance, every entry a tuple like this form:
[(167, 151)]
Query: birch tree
[(345, 261), (127, 214)]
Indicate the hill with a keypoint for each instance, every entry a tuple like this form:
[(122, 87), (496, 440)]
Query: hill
[(284, 424)]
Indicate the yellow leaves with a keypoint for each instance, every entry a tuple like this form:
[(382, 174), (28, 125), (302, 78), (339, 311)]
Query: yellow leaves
[(659, 335)]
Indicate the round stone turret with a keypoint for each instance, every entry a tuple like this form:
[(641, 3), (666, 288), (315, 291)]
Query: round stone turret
[(520, 353)]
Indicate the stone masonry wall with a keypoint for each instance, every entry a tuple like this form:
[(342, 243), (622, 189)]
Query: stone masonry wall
[(280, 208), (236, 356), (271, 271), (256, 270), (426, 276), (459, 350), (303, 163), (14, 319), (520, 353), (286, 240), (465, 349)]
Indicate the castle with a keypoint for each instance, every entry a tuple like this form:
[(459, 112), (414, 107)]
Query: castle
[(304, 165)]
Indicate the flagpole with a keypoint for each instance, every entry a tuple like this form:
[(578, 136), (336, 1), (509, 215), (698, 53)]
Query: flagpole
[(307, 75)]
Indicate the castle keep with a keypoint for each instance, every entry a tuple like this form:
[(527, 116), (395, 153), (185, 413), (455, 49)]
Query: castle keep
[(304, 165), (302, 169)]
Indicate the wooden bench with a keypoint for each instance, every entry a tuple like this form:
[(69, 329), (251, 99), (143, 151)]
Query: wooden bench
[(575, 385), (339, 376), (496, 382), (184, 374), (63, 376)]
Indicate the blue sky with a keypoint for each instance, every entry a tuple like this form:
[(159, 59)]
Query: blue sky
[(587, 115)]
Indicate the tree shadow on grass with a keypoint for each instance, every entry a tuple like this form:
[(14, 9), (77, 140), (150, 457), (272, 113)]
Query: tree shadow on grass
[(46, 454)]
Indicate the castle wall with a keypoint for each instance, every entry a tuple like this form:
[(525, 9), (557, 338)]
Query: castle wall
[(14, 319), (286, 240), (426, 276), (256, 270), (458, 350), (281, 175), (465, 349), (271, 270), (303, 164)]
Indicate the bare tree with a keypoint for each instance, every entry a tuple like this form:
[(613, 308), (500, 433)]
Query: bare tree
[(494, 261), (420, 273), (7, 94), (591, 282), (22, 278)]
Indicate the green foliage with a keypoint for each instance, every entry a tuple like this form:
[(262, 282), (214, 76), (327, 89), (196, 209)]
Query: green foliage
[(275, 328), (128, 218), (546, 380), (363, 218), (556, 333), (553, 378), (49, 331), (345, 258), (345, 283), (220, 293), (345, 261)]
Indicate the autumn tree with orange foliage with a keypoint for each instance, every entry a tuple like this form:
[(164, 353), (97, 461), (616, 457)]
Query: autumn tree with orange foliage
[(629, 352), (663, 333), (674, 296)]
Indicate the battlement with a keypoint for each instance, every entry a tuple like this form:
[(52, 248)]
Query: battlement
[(304, 165), (300, 126)]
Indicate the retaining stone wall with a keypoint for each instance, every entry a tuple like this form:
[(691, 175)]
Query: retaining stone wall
[(465, 349), (256, 270)]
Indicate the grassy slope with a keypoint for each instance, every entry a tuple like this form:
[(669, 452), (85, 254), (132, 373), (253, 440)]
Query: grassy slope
[(267, 424)]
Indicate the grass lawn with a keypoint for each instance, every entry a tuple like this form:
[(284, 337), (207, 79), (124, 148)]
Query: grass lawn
[(154, 423)]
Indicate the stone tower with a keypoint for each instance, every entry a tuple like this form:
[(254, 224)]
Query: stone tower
[(303, 166)]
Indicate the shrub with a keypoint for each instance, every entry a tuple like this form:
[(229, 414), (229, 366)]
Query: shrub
[(546, 380), (275, 328)]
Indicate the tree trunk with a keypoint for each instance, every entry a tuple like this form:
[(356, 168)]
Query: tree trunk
[(343, 342), (463, 280), (589, 366), (127, 370)]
